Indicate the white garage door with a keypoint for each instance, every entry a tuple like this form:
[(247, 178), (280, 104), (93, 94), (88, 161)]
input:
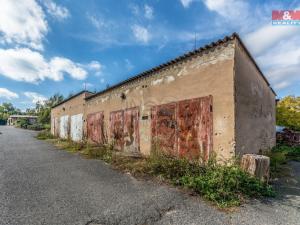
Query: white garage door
[(76, 127), (64, 127)]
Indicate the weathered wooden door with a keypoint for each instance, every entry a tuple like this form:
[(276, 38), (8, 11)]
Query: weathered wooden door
[(164, 127), (131, 130), (184, 128), (194, 119), (117, 129), (95, 127)]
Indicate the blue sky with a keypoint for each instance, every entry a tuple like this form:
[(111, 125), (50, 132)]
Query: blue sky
[(50, 46)]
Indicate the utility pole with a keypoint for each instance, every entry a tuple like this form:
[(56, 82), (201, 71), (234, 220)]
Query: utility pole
[(195, 44)]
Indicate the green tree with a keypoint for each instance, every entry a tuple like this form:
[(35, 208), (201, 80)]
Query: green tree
[(43, 109), (7, 109), (288, 112)]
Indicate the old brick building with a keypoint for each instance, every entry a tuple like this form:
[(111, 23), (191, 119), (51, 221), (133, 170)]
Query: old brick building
[(214, 99)]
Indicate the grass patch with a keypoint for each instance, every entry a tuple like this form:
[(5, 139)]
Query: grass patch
[(44, 135), (224, 185)]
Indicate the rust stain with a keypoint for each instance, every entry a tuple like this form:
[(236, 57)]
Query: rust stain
[(117, 129), (164, 127), (95, 128), (131, 129), (188, 126), (184, 128)]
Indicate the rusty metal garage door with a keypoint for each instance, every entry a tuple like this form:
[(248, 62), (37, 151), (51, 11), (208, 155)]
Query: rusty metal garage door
[(95, 128), (124, 129), (131, 130), (164, 127), (117, 129), (184, 128)]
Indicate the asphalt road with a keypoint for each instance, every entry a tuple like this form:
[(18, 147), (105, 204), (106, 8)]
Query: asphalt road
[(42, 185)]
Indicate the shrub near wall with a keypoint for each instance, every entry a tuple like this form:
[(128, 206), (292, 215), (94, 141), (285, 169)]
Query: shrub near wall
[(224, 185)]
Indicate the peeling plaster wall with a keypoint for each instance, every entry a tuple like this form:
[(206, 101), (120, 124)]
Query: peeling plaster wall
[(254, 107), (77, 127), (210, 73)]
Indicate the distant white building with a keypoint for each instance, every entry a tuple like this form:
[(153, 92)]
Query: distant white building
[(11, 121)]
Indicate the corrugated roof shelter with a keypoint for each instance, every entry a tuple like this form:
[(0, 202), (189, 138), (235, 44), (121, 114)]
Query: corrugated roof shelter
[(211, 100)]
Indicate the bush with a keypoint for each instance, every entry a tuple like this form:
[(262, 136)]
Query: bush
[(226, 185), (172, 168), (36, 126), (280, 155), (290, 152), (104, 152), (22, 123), (44, 135)]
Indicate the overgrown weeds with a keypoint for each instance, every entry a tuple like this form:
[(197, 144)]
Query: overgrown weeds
[(224, 185), (279, 157), (44, 135)]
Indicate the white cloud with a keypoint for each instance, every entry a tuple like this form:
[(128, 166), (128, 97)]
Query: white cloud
[(277, 52), (282, 63), (35, 97), (267, 36), (5, 93), (141, 33), (95, 65), (134, 9), (100, 22), (59, 66), (58, 12), (229, 9), (128, 64), (148, 12), (281, 85), (186, 3), (30, 66), (22, 22)]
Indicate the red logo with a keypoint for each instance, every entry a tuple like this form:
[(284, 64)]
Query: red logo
[(286, 15)]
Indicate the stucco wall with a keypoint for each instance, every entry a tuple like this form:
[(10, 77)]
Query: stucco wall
[(254, 107), (210, 73)]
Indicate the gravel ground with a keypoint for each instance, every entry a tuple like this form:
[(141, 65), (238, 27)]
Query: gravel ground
[(42, 185)]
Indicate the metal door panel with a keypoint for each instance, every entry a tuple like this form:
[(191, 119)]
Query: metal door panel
[(164, 127), (76, 127), (131, 130), (117, 129), (95, 128), (64, 127)]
